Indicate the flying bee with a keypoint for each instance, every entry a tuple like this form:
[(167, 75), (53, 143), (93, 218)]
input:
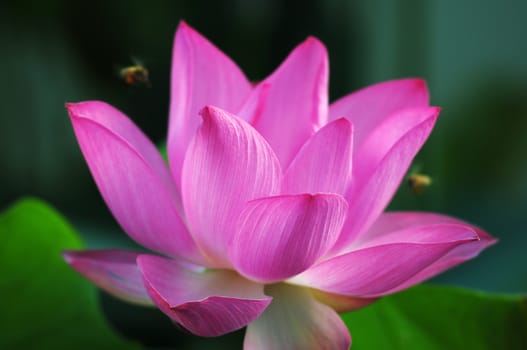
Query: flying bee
[(417, 182), (135, 75)]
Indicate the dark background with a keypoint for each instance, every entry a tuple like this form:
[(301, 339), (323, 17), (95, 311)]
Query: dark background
[(472, 53)]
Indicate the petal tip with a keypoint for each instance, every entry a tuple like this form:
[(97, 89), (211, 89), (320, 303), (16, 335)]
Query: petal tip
[(68, 256), (207, 110), (72, 108), (488, 241), (189, 35), (183, 24), (210, 113), (343, 122), (436, 111), (213, 114), (184, 28), (313, 43), (311, 40), (83, 108), (418, 84), (421, 83)]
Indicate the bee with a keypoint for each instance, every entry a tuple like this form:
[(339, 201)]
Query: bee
[(417, 182), (135, 75)]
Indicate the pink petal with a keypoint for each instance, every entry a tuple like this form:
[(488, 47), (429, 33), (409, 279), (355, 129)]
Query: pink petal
[(228, 164), (390, 222), (279, 237), (395, 221), (380, 265), (368, 107), (254, 105), (201, 75), (132, 178), (205, 302), (323, 164), (386, 135), (297, 101), (114, 271), (381, 164), (296, 321)]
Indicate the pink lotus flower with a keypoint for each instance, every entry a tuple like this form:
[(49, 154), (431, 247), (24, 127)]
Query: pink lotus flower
[(262, 220)]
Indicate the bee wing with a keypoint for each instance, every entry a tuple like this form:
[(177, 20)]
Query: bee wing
[(136, 61), (415, 169)]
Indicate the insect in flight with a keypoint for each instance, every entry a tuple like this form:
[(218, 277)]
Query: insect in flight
[(417, 182), (135, 75)]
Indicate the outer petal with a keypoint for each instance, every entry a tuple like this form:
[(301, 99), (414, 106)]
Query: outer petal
[(205, 302), (279, 237), (381, 164), (297, 101), (395, 221), (201, 75), (227, 164), (132, 178), (296, 321), (368, 107), (390, 222), (114, 271), (323, 164), (382, 264)]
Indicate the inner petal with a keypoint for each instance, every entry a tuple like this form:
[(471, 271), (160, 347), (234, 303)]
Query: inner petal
[(295, 320)]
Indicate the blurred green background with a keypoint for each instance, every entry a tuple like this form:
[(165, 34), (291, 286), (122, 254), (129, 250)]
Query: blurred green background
[(472, 53)]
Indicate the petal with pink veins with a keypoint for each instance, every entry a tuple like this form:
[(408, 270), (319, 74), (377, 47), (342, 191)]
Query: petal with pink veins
[(205, 302), (297, 100), (324, 162), (115, 271), (386, 135), (279, 237), (389, 222), (395, 221), (201, 75), (254, 105), (380, 165), (380, 265), (133, 179), (368, 107), (296, 321), (228, 164)]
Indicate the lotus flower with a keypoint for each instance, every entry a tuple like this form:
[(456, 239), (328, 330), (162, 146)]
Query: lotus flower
[(271, 214)]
